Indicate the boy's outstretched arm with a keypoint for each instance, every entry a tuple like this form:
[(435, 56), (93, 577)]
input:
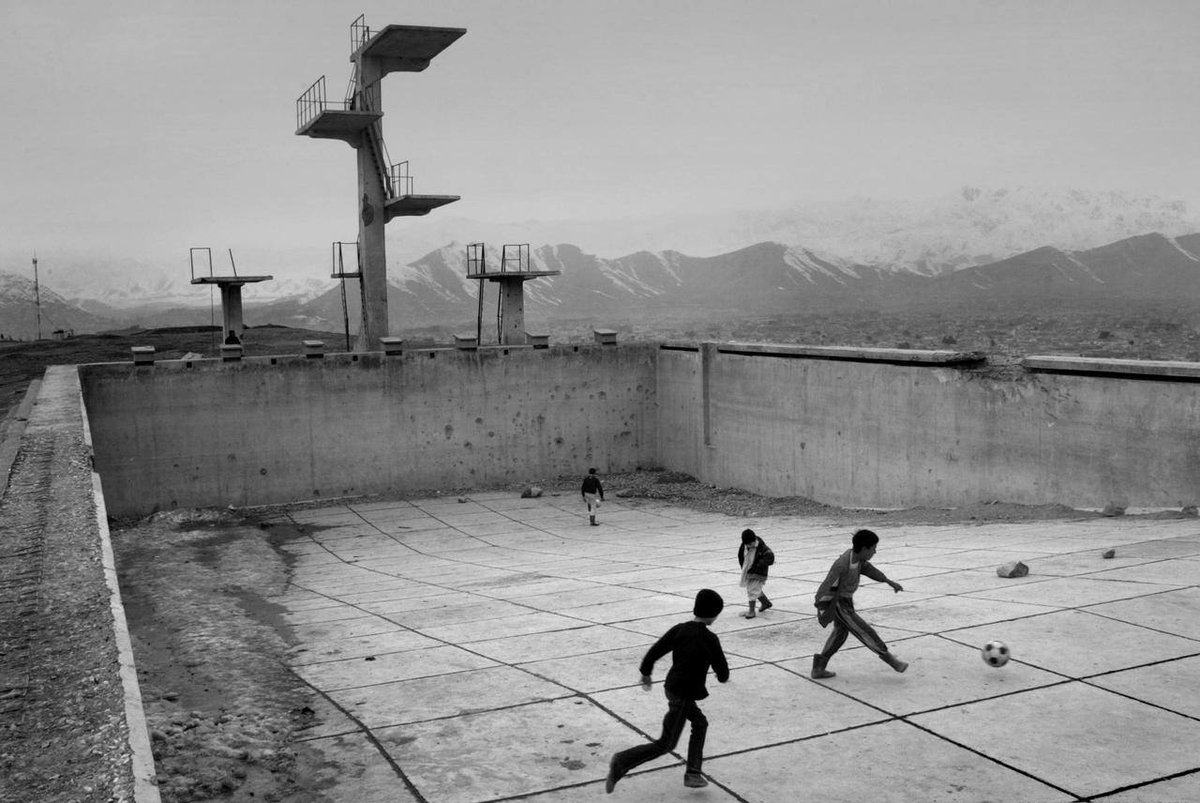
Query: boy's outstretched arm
[(870, 571)]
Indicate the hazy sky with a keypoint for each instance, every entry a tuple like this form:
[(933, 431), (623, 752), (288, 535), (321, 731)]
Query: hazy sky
[(143, 128)]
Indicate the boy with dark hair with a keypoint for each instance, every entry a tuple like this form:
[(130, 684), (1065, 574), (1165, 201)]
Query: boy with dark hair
[(694, 648), (593, 494), (835, 603), (754, 556)]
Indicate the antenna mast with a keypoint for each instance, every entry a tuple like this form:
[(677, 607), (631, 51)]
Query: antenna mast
[(37, 297)]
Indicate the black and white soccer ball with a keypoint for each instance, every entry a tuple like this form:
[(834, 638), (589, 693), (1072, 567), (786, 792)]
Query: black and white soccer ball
[(995, 653)]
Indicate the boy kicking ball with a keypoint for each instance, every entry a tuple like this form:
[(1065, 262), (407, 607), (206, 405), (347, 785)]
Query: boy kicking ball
[(835, 603)]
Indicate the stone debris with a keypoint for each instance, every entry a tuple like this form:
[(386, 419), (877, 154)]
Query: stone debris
[(1109, 553), (1014, 569), (1112, 510), (531, 492)]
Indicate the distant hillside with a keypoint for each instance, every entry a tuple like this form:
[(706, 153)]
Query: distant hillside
[(762, 279), (771, 278), (1149, 268), (19, 311)]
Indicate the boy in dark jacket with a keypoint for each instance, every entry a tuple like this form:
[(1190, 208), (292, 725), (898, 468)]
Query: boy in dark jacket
[(835, 603), (593, 494), (694, 648), (754, 556)]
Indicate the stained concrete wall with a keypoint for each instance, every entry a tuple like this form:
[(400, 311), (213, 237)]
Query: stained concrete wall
[(866, 432), (271, 430), (853, 427)]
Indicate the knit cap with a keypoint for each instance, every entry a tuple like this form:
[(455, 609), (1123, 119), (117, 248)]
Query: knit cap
[(708, 604)]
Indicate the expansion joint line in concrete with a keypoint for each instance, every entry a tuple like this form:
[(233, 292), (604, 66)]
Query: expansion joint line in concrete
[(986, 757), (1066, 679), (396, 768), (442, 641), (674, 753), (1122, 789), (569, 691), (904, 718), (454, 589)]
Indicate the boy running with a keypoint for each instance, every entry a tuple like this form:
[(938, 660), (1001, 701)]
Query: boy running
[(694, 648)]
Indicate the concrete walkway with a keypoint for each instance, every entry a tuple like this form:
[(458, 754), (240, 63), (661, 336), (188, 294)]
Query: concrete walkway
[(487, 649)]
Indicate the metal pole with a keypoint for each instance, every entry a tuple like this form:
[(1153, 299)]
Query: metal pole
[(37, 298)]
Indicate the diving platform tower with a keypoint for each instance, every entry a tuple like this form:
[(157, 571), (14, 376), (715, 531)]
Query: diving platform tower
[(231, 290), (385, 189), (514, 271)]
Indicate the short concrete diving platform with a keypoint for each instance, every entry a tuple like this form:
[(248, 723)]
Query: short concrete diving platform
[(224, 281), (231, 290)]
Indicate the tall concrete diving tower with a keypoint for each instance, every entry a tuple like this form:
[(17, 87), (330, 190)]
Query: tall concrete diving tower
[(385, 189)]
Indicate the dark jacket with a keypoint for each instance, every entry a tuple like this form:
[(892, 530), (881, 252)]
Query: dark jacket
[(694, 648), (763, 558), (591, 485)]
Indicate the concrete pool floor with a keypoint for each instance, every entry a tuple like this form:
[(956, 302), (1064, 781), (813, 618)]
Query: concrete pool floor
[(487, 649)]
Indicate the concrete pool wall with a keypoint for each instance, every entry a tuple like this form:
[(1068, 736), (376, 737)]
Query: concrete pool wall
[(853, 427)]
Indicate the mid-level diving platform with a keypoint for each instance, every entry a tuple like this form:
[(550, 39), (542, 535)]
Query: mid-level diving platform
[(347, 125), (412, 205)]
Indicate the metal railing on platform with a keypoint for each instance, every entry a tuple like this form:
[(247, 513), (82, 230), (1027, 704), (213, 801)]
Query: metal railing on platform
[(310, 103), (359, 32)]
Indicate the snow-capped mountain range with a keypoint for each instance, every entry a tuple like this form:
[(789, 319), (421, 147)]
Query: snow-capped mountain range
[(855, 249)]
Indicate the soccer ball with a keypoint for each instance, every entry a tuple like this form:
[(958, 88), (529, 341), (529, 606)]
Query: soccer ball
[(995, 653)]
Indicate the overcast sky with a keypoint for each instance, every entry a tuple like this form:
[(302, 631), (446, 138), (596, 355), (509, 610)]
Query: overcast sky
[(141, 128)]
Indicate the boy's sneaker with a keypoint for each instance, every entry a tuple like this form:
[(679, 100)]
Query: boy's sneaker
[(611, 781), (694, 779)]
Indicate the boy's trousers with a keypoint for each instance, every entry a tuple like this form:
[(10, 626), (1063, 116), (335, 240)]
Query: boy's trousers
[(846, 621), (679, 711)]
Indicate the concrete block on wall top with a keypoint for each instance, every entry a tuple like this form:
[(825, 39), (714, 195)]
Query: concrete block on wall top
[(392, 345), (230, 352), (538, 340), (142, 355), (314, 349), (466, 342), (605, 337)]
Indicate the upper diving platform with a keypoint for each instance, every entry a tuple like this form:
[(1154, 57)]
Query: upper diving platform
[(404, 48)]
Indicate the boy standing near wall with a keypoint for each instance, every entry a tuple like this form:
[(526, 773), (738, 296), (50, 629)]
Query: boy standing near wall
[(835, 603), (754, 556), (593, 494), (694, 648)]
